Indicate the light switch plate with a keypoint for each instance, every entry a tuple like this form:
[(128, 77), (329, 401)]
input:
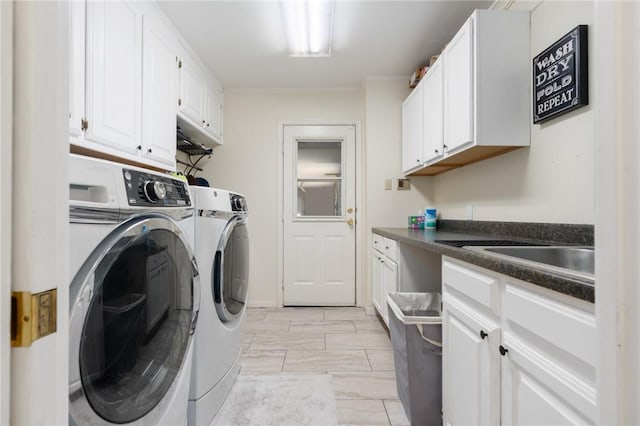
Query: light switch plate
[(404, 184), (387, 184)]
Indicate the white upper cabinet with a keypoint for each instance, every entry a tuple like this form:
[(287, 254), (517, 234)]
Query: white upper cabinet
[(193, 91), (458, 89), (412, 130), (200, 103), (77, 22), (213, 117), (126, 84), (485, 88), (114, 75), (433, 120), (159, 93)]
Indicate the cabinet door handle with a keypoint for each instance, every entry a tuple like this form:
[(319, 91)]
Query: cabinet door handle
[(149, 151), (483, 334), (503, 350), (417, 160), (444, 147), (436, 151), (139, 147), (207, 124)]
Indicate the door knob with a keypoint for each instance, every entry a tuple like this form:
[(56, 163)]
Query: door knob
[(349, 221), (349, 210)]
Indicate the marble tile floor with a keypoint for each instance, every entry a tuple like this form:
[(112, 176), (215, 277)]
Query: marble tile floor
[(346, 343)]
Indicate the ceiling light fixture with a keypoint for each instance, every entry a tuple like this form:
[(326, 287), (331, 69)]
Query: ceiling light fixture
[(309, 26)]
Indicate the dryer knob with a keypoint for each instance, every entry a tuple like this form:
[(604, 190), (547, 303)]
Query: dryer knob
[(154, 191)]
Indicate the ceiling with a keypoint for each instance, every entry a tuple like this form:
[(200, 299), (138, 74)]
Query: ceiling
[(243, 42)]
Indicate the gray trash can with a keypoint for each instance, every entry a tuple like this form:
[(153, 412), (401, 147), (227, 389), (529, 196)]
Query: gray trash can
[(415, 324)]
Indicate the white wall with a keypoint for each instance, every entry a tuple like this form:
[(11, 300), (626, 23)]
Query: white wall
[(248, 163), (553, 179), (383, 160)]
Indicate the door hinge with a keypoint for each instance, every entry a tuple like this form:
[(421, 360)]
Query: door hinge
[(179, 102), (179, 64), (32, 316), (84, 124)]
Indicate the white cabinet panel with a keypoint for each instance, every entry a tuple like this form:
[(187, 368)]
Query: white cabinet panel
[(458, 88), (412, 130), (159, 94), (213, 122), (543, 343), (376, 280), (193, 92), (433, 126), (77, 28), (390, 279), (114, 56)]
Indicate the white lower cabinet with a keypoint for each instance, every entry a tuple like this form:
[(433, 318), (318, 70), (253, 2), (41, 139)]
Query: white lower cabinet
[(384, 273), (513, 352)]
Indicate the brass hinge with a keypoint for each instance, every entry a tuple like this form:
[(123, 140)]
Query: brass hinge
[(32, 316), (84, 124), (179, 102), (179, 64)]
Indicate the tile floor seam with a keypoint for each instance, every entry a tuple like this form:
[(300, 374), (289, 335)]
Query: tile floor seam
[(366, 352), (387, 411), (284, 360)]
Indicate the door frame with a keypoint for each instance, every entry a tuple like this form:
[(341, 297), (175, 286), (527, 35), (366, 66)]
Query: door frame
[(359, 218), (6, 150)]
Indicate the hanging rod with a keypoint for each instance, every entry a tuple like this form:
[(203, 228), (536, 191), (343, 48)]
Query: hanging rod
[(184, 163)]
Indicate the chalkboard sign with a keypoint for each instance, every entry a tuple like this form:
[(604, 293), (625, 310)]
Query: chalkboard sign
[(560, 76)]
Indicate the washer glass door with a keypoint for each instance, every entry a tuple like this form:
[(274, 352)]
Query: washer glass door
[(231, 270), (134, 301)]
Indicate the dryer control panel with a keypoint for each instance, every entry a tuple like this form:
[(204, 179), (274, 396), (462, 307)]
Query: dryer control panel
[(154, 190), (238, 202)]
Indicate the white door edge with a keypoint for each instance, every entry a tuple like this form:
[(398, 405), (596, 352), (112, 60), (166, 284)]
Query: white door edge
[(360, 237), (6, 136)]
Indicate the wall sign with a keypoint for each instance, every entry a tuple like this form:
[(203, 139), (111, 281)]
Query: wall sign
[(560, 76)]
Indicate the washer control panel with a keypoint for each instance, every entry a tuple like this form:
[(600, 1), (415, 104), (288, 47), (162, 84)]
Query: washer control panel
[(150, 189), (238, 203)]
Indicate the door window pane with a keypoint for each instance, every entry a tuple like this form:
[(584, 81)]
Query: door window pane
[(319, 178)]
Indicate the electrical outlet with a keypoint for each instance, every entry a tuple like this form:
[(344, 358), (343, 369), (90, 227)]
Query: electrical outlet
[(404, 184), (387, 184)]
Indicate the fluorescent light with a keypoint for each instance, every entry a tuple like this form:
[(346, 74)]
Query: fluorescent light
[(308, 24)]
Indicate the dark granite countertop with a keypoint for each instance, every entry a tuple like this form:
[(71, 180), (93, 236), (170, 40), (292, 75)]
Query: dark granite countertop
[(551, 234)]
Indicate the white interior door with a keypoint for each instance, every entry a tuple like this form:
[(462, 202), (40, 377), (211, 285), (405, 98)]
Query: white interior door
[(319, 256)]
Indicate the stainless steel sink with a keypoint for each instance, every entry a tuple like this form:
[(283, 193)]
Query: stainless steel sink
[(567, 260)]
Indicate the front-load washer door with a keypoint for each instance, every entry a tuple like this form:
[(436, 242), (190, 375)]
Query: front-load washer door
[(231, 270), (133, 310)]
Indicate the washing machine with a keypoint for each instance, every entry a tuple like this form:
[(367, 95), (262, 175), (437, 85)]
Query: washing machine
[(134, 295), (222, 252)]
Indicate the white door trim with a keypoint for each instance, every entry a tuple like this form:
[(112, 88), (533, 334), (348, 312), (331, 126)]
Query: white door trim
[(615, 69), (358, 208), (6, 142)]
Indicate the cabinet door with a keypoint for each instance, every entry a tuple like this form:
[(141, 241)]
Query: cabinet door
[(159, 94), (433, 126), (376, 280), (77, 39), (114, 72), (471, 366), (412, 130), (537, 391), (214, 109), (193, 92), (458, 89), (390, 282)]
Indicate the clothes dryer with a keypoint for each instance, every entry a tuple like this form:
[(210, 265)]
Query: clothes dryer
[(134, 295), (222, 251)]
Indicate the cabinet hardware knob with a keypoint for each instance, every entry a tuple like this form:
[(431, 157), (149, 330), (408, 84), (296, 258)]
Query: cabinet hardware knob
[(203, 121), (444, 146), (139, 147), (436, 151), (417, 160), (483, 334), (149, 151), (503, 350), (207, 124)]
